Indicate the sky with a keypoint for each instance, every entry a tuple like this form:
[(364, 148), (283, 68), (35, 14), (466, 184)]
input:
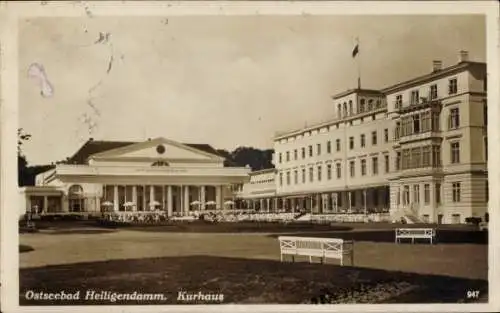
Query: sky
[(227, 81)]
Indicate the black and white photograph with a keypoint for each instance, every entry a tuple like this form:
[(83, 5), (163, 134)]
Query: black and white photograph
[(186, 155)]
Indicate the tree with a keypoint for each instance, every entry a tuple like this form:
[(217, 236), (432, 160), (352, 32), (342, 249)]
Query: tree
[(22, 163)]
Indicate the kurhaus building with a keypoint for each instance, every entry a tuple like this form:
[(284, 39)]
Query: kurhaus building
[(417, 147), (157, 174)]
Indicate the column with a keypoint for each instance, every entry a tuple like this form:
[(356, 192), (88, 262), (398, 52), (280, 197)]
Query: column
[(45, 203), (115, 198), (163, 197), (268, 202), (144, 204), (218, 198), (169, 201), (364, 201), (202, 198), (186, 200), (151, 197), (134, 198), (349, 195)]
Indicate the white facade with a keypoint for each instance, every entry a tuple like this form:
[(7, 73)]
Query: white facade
[(158, 174), (409, 148)]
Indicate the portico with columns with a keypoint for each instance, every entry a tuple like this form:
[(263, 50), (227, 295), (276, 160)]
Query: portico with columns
[(155, 175)]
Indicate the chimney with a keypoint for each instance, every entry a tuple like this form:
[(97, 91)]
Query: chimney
[(464, 56), (91, 139), (437, 65)]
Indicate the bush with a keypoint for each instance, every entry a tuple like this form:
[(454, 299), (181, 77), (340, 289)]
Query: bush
[(473, 220)]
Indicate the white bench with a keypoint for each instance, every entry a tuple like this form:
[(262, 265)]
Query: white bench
[(415, 233), (318, 247)]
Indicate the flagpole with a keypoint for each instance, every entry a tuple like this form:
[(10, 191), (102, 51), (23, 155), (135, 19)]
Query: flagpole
[(357, 64)]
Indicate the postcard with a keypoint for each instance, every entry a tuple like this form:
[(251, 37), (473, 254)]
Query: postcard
[(249, 156)]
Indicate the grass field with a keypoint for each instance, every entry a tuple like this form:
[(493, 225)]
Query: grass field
[(242, 262)]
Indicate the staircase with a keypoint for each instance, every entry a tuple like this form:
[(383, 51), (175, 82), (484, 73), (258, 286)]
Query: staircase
[(408, 213), (304, 217)]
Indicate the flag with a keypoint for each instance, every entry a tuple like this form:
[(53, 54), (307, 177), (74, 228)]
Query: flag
[(355, 51)]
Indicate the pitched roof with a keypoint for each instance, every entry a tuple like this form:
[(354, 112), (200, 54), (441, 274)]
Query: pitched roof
[(96, 146)]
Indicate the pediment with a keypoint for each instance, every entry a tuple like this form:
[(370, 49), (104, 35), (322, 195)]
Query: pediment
[(159, 148)]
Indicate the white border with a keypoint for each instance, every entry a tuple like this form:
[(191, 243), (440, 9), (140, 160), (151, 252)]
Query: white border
[(11, 12)]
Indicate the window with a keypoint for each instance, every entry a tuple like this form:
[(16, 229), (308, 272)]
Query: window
[(386, 161), (281, 179), (351, 143), (339, 110), (288, 156), (399, 101), (406, 194), (416, 123), (375, 165), (374, 138), (311, 175), (386, 135), (416, 159), (363, 167), (426, 156), (328, 146), (438, 193), (295, 154), (303, 153), (352, 168), (362, 140), (416, 193), (414, 97), (398, 161), (455, 152), (436, 156), (486, 190), (350, 107), (288, 178), (454, 121), (379, 103), (397, 131), (319, 172), (295, 177), (455, 192), (280, 157), (485, 113), (370, 104), (485, 139), (406, 159), (329, 172), (427, 194), (337, 142), (310, 151), (426, 121), (433, 92), (303, 175), (362, 106), (318, 148), (452, 86), (435, 121)]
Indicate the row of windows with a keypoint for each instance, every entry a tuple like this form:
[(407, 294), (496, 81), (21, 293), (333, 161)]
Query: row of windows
[(419, 157), (329, 171), (432, 95), (417, 123), (348, 108), (455, 197), (405, 193), (310, 151)]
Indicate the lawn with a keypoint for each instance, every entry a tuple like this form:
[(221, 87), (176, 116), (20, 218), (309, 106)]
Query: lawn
[(245, 266)]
